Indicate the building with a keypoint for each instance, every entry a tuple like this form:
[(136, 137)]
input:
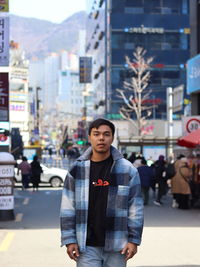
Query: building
[(193, 65), (116, 27)]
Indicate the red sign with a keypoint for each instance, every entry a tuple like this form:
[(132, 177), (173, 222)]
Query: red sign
[(4, 97), (192, 125)]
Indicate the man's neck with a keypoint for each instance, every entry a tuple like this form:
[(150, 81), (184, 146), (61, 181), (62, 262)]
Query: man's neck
[(99, 156)]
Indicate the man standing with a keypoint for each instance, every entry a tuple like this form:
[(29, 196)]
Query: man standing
[(102, 206)]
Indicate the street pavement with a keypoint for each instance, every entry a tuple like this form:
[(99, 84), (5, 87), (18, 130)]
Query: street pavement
[(171, 237)]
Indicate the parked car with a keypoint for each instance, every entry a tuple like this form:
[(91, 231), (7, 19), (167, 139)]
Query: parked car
[(54, 176)]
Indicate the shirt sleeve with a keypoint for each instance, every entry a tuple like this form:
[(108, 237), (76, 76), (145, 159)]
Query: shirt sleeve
[(136, 209), (67, 212)]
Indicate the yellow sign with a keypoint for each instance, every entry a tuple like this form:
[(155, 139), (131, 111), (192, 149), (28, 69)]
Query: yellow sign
[(4, 5), (187, 30)]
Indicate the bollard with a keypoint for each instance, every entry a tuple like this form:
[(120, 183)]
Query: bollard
[(7, 163)]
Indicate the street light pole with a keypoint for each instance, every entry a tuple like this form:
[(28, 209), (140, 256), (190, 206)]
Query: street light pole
[(170, 119)]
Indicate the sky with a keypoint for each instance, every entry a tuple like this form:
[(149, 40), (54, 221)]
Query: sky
[(54, 11)]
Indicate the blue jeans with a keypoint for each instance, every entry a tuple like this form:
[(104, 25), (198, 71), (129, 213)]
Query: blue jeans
[(97, 257)]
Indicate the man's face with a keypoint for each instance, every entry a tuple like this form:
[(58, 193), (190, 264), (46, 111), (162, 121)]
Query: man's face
[(101, 139)]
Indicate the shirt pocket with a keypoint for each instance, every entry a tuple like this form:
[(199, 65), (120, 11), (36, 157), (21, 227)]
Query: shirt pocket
[(118, 198)]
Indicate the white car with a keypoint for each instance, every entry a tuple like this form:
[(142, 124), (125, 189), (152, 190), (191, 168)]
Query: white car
[(54, 176)]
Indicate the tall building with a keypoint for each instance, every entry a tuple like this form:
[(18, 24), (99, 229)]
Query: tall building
[(193, 66), (116, 27)]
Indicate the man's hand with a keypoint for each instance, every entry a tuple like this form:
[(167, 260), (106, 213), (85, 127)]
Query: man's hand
[(130, 250), (72, 251)]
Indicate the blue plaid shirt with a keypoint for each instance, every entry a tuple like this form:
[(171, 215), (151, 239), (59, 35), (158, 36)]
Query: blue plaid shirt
[(124, 205)]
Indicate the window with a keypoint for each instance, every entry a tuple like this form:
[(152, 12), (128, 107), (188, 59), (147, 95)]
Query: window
[(133, 3), (117, 40), (134, 10)]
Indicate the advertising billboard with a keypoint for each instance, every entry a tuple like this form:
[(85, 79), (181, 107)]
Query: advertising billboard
[(4, 41), (193, 75), (4, 97)]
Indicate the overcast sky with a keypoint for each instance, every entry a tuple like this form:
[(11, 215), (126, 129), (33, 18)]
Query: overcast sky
[(54, 11)]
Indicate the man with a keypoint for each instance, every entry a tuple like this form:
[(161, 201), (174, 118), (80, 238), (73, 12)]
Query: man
[(160, 176), (102, 206)]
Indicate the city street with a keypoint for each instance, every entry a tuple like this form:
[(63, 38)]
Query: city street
[(171, 236)]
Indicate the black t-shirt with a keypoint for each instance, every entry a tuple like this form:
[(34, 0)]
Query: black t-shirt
[(98, 193)]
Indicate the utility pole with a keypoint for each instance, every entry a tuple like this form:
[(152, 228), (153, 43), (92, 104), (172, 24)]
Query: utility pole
[(170, 119)]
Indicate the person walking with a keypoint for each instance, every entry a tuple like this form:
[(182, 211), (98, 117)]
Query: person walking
[(36, 171), (146, 177), (180, 186), (102, 207), (161, 179), (25, 169)]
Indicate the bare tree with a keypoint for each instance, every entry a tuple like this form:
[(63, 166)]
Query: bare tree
[(134, 94)]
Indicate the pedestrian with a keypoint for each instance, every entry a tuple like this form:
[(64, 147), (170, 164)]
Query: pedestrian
[(50, 152), (146, 177), (161, 180), (132, 157), (102, 206), (180, 186), (36, 171), (25, 169)]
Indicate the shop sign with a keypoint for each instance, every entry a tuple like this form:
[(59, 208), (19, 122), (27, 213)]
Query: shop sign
[(6, 187), (4, 140), (190, 124), (145, 30), (193, 75), (4, 97), (4, 5), (19, 73), (4, 41)]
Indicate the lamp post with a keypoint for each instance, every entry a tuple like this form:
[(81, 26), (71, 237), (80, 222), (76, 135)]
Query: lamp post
[(170, 118)]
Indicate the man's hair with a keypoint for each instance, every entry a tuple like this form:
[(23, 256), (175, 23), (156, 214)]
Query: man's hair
[(98, 122)]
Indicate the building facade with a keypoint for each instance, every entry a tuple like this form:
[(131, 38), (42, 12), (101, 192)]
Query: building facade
[(161, 27), (193, 69)]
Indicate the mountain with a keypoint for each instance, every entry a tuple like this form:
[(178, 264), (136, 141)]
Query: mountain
[(40, 37)]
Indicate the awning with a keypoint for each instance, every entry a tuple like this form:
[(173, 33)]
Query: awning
[(191, 140)]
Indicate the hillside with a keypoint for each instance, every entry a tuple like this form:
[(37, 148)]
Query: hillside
[(39, 37)]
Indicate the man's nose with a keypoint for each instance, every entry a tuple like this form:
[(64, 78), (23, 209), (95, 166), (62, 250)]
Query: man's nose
[(101, 136)]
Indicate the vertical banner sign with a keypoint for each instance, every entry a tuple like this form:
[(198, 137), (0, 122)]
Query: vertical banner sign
[(85, 69), (4, 97), (4, 5), (6, 187), (4, 41)]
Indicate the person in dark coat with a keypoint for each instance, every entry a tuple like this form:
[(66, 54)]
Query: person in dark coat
[(36, 171), (146, 177), (161, 179)]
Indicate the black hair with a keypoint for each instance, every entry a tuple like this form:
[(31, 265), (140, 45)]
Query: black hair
[(143, 161), (98, 122), (35, 158), (24, 158)]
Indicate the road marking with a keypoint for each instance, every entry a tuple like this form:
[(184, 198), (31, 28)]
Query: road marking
[(6, 242), (18, 217), (26, 201)]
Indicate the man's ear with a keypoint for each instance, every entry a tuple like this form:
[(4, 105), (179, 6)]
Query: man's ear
[(89, 138)]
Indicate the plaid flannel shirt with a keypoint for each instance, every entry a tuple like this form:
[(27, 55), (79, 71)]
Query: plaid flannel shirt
[(124, 205)]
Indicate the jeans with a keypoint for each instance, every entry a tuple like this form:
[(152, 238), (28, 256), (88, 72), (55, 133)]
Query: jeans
[(97, 257)]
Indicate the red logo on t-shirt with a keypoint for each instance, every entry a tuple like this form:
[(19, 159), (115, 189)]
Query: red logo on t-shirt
[(100, 182)]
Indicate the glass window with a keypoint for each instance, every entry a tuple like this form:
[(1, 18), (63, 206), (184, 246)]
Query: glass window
[(117, 40), (185, 7), (173, 39), (184, 41), (133, 3), (134, 10), (115, 75), (149, 6)]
